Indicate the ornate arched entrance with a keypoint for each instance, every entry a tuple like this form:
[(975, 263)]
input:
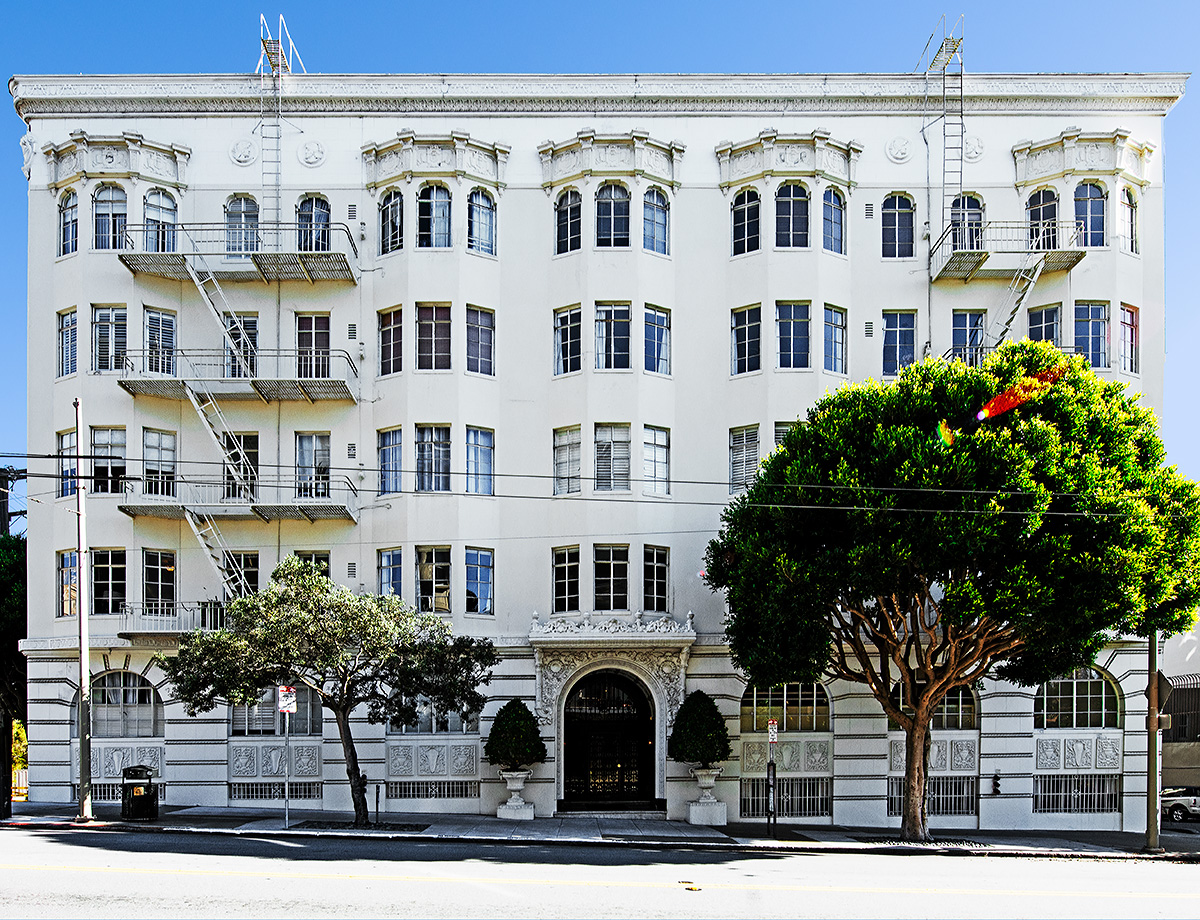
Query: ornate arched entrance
[(608, 743)]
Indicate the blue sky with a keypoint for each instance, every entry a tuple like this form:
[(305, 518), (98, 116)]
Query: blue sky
[(617, 36)]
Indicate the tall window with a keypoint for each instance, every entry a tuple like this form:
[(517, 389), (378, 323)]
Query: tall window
[(390, 338), (108, 581), (241, 466), (158, 462), (612, 336), (747, 336), (479, 461), (1089, 213), (658, 340), (108, 211), (433, 217), (124, 705), (612, 216), (899, 340), (317, 558), (312, 219), (312, 465), (481, 332), (1085, 698), (481, 222), (433, 579), (566, 579), (791, 320), (897, 227), (1129, 220), (108, 338), (568, 222), (791, 216), (967, 336), (67, 473), (611, 577), (956, 712), (654, 221), (568, 334), (835, 339), (68, 224), (834, 237), (655, 569), (243, 567), (433, 338), (656, 461), (161, 217), (241, 345), (1041, 210), (433, 458), (1129, 339), (1091, 332), (259, 718), (391, 223), (743, 457), (1045, 325), (241, 226), (746, 228), (390, 461), (67, 566), (312, 345), (160, 342), (390, 572), (966, 218), (566, 460), (67, 342), (795, 707), (479, 581), (612, 458), (158, 581), (108, 460)]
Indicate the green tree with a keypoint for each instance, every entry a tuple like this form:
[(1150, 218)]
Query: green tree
[(699, 734), (514, 741), (13, 624), (352, 650), (871, 549)]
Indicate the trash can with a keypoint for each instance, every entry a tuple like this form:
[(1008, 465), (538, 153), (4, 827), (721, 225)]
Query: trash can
[(139, 795)]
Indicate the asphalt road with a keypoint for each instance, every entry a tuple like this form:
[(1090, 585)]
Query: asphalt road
[(58, 872)]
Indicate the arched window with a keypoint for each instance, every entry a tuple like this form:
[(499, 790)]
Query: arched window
[(654, 221), (835, 220), (108, 210), (160, 217), (568, 222), (966, 217), (791, 216), (1129, 219), (1041, 210), (313, 225), (124, 705), (1089, 213), (391, 223), (68, 224), (796, 707), (957, 710), (481, 222), (241, 226), (897, 227), (612, 216), (745, 222), (430, 719), (433, 217), (1083, 699)]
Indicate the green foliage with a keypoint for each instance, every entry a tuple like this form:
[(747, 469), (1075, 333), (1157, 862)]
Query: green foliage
[(699, 734), (20, 746), (515, 741), (13, 625)]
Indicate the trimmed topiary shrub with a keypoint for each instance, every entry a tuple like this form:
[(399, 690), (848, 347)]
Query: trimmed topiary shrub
[(699, 734), (515, 741)]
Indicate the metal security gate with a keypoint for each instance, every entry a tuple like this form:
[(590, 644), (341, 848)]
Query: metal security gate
[(608, 741)]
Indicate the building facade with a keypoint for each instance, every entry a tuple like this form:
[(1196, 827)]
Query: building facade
[(506, 345)]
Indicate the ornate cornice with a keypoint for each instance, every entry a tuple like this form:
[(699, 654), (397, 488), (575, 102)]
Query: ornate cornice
[(630, 631), (124, 156), (634, 154), (1075, 152), (354, 94), (456, 155), (812, 155)]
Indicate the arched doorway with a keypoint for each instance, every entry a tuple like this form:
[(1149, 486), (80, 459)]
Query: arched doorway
[(608, 744)]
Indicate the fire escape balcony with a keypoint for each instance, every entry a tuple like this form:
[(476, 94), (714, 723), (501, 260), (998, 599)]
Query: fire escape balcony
[(310, 374), (965, 252), (311, 495), (170, 618), (242, 252)]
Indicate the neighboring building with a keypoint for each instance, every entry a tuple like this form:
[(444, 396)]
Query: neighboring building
[(505, 345)]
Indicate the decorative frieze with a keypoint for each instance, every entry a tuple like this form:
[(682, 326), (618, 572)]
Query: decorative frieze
[(243, 760), (400, 760), (634, 155), (1075, 152), (814, 155), (454, 156), (1078, 751), (128, 156), (306, 761), (431, 760), (463, 759), (274, 760)]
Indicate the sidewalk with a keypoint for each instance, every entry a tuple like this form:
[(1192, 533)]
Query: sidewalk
[(1181, 842)]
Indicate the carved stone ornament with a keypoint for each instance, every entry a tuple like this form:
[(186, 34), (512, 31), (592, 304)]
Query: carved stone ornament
[(896, 757), (789, 755), (151, 757), (634, 155), (415, 156), (937, 755), (1077, 753), (310, 153), (772, 154), (400, 760), (306, 761), (243, 152), (431, 760), (274, 759), (898, 150), (1077, 153), (244, 761), (1049, 755), (754, 757), (962, 754), (117, 759), (1108, 753), (28, 149), (462, 760), (973, 148), (816, 757), (128, 156)]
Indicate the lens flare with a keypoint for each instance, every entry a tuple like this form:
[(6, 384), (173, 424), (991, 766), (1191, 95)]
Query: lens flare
[(1014, 396)]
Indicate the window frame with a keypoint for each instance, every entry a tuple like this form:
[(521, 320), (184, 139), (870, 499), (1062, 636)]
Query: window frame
[(390, 568), (110, 580), (439, 582), (66, 567), (1130, 339), (1108, 717), (613, 336), (67, 359), (434, 217), (68, 223), (1091, 212), (434, 337), (609, 572), (159, 592), (568, 457), (796, 706), (159, 229), (656, 579), (613, 457), (1037, 331), (792, 217), (110, 464), (389, 443), (894, 346), (68, 466), (1041, 212), (391, 341), (898, 227), (391, 222), (568, 222), (481, 339), (657, 340), (314, 460), (1095, 327), (314, 223), (481, 222), (656, 213), (568, 340), (743, 457), (656, 460), (480, 474), (432, 451), (786, 342), (241, 227), (565, 579), (110, 216), (745, 340), (159, 461), (833, 222), (480, 572), (110, 337), (612, 205), (746, 227)]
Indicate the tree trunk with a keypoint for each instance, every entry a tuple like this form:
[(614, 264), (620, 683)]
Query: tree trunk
[(358, 782), (6, 763), (914, 825)]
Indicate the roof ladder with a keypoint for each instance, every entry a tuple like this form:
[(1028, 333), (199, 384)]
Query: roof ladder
[(277, 58), (948, 60)]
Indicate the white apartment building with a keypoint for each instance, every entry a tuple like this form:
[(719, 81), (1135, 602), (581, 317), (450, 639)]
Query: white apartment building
[(506, 345)]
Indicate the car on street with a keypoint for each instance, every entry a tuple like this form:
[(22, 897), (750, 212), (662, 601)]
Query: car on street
[(1181, 803)]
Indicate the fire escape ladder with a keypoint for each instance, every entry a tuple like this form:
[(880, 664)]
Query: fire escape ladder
[(1019, 289), (953, 130), (215, 547), (236, 337), (238, 465)]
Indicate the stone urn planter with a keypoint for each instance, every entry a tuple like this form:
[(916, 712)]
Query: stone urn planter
[(513, 744), (700, 737), (516, 808), (706, 779)]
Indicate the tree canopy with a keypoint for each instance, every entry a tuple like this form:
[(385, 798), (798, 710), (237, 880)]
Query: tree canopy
[(350, 649), (872, 549), (13, 626)]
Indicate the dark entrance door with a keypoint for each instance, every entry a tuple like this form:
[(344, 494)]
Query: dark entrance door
[(608, 743)]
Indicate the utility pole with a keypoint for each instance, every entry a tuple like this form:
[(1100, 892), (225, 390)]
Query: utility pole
[(8, 478), (81, 614), (1157, 691)]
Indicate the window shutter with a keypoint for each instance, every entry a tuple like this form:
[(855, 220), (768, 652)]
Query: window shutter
[(620, 459), (604, 463)]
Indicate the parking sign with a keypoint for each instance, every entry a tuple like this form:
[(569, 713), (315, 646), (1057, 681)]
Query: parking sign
[(287, 699), (772, 731)]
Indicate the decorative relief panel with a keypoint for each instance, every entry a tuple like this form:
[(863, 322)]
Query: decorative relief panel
[(635, 154), (789, 756), (1048, 754), (117, 759), (310, 153), (151, 757), (412, 156), (816, 756), (1077, 753), (937, 755), (973, 148), (400, 760), (962, 754), (244, 761), (754, 756), (462, 760), (306, 761), (274, 759), (813, 155), (1108, 753), (896, 757), (898, 150), (1074, 152), (431, 760), (243, 152), (128, 156)]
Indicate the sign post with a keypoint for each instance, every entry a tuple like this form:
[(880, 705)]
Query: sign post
[(772, 801), (287, 706)]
